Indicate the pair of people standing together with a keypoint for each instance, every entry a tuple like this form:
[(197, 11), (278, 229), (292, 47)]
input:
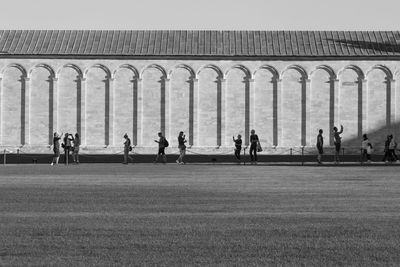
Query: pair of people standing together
[(70, 143), (255, 147), (337, 141)]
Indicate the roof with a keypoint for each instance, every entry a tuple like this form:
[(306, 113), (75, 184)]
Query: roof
[(200, 43)]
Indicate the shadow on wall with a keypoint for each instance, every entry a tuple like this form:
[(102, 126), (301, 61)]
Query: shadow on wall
[(376, 137), (376, 46)]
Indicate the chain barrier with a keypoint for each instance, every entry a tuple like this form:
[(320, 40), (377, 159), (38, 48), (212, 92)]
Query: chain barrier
[(293, 151)]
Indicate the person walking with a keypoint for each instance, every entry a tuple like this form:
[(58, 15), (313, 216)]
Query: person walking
[(162, 144), (75, 150), (56, 149), (182, 147), (127, 149), (320, 145), (238, 146), (366, 146), (392, 149), (387, 157), (254, 144), (67, 146), (337, 140)]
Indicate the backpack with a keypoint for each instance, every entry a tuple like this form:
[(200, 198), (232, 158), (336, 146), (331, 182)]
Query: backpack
[(166, 144), (130, 148)]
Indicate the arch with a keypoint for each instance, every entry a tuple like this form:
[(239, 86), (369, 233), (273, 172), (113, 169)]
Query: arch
[(129, 67), (241, 67), (72, 66), (15, 65), (299, 68), (106, 70), (156, 66), (47, 67), (357, 69), (184, 66), (270, 68), (383, 68), (214, 67), (327, 68)]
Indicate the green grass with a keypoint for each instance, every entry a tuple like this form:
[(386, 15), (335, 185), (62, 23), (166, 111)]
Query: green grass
[(144, 214)]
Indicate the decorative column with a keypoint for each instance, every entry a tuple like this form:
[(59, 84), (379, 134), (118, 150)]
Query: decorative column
[(392, 103), (333, 108), (194, 113), (83, 110), (251, 109), (221, 111), (1, 107), (26, 112), (54, 81), (306, 107), (139, 107), (166, 109), (111, 112), (278, 112), (363, 107)]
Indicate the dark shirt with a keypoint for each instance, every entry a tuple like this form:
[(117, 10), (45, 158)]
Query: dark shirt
[(254, 138), (56, 142), (127, 143), (238, 143), (320, 140), (181, 140)]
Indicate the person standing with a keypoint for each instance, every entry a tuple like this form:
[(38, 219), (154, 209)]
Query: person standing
[(56, 148), (337, 140), (75, 151), (67, 146), (182, 148), (254, 143), (366, 146), (127, 149), (387, 157), (162, 144), (392, 149), (238, 146), (320, 145)]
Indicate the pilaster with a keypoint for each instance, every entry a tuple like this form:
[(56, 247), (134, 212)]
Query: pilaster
[(111, 113), (83, 111), (1, 109), (251, 109), (222, 95), (139, 129), (55, 103), (363, 107), (278, 111), (307, 109), (194, 120), (166, 109), (26, 112)]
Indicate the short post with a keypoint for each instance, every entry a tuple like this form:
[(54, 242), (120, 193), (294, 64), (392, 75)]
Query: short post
[(361, 155), (244, 155), (291, 151), (18, 155), (342, 154), (302, 156), (4, 157)]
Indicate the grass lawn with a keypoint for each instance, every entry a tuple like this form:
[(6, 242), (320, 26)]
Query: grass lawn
[(224, 215)]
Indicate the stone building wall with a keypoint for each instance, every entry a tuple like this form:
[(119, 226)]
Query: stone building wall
[(286, 102)]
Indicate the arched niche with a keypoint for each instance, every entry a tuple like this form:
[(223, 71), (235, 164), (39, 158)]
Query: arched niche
[(126, 104), (13, 106), (182, 97), (237, 103), (97, 106)]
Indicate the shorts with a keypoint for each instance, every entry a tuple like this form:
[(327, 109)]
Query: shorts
[(320, 150), (76, 150), (161, 151), (337, 147)]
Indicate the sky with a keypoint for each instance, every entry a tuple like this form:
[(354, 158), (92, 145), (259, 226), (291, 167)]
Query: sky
[(201, 14)]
